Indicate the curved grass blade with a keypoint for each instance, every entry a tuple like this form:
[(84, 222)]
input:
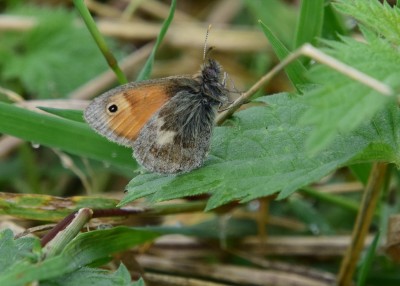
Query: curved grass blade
[(310, 22), (146, 70), (72, 114), (367, 262), (295, 71), (70, 136), (101, 43)]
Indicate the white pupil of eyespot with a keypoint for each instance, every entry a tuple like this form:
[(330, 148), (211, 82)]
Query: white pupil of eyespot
[(112, 108)]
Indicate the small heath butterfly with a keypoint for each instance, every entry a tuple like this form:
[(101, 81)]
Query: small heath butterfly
[(168, 121)]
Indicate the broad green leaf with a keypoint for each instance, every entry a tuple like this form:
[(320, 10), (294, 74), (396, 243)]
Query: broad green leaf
[(15, 251), (295, 71), (339, 104), (262, 152), (67, 135), (310, 22), (146, 70), (381, 18), (92, 276), (84, 249), (53, 58)]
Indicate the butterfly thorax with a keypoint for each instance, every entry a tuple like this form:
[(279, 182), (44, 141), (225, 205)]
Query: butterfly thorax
[(210, 82)]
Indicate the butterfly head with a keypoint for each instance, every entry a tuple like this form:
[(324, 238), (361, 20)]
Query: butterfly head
[(212, 82)]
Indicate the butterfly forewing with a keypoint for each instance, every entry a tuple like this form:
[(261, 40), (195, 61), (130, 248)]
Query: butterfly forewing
[(120, 113)]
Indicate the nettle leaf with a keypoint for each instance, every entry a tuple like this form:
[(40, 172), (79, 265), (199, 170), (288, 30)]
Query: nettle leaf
[(13, 251), (53, 58), (83, 250), (263, 153), (339, 104), (381, 18), (92, 276)]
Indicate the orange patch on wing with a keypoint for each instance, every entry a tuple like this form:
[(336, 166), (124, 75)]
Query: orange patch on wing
[(135, 107)]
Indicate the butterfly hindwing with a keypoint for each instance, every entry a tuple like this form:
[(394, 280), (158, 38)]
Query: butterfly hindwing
[(177, 137)]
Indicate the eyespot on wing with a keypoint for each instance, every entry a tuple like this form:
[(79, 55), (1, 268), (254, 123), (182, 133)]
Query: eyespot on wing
[(120, 113)]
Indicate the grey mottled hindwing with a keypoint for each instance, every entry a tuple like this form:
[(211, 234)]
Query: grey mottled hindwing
[(177, 138)]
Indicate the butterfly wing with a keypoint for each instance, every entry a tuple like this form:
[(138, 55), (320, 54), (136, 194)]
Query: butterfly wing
[(177, 138), (121, 113)]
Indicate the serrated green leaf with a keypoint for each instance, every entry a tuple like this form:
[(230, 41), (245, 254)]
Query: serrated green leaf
[(146, 70), (140, 282), (53, 58), (14, 251), (295, 71), (92, 276), (67, 135), (263, 153), (339, 104), (381, 18), (83, 250)]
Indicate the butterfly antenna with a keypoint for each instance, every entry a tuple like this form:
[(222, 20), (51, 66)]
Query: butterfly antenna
[(205, 43)]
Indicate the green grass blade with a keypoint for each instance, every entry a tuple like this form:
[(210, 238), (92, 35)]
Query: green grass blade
[(310, 22), (279, 16), (340, 202), (36, 207), (334, 24), (101, 43), (146, 70), (70, 136), (367, 261), (295, 71), (72, 114)]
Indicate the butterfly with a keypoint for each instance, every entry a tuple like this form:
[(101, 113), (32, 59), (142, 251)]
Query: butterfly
[(167, 121)]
